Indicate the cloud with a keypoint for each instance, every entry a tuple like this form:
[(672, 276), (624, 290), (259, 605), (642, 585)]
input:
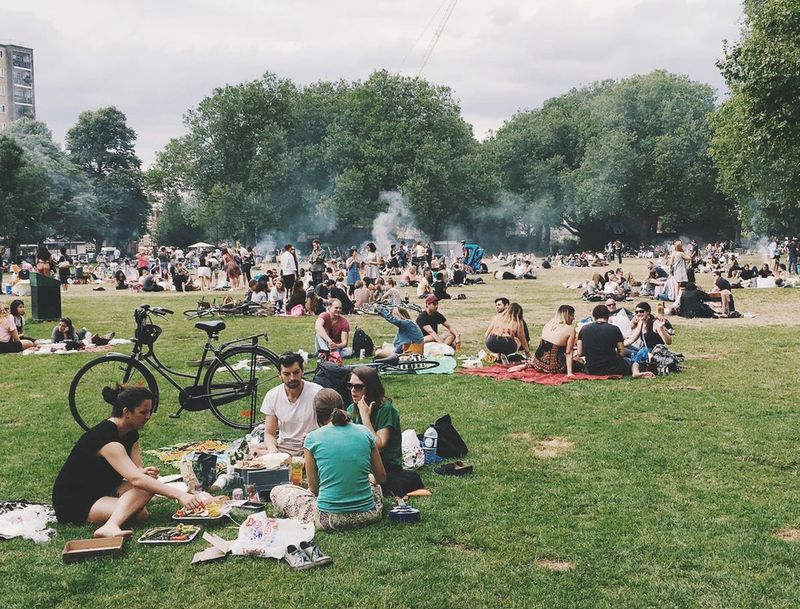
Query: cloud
[(155, 60)]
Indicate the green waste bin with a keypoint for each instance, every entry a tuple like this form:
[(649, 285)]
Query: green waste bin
[(45, 298)]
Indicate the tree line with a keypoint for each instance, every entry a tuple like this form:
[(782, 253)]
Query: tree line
[(637, 158)]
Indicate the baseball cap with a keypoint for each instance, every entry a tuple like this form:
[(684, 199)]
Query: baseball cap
[(431, 300)]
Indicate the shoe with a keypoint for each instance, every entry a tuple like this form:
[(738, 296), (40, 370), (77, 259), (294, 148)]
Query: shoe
[(315, 553), (298, 559), (457, 468)]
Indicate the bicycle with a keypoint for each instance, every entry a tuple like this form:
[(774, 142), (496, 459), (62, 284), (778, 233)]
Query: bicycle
[(237, 378), (206, 309)]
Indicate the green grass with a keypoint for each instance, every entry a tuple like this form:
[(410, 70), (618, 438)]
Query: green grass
[(671, 496)]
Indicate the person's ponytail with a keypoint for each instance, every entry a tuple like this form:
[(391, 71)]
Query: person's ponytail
[(340, 417)]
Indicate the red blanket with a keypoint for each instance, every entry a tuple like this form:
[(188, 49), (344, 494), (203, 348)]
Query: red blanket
[(529, 375)]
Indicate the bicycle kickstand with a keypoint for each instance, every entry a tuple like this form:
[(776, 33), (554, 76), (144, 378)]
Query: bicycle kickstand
[(176, 414)]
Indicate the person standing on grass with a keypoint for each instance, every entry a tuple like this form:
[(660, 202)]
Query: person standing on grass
[(288, 264), (103, 481)]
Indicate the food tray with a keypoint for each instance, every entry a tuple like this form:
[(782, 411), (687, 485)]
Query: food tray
[(82, 549), (198, 518), (166, 541)]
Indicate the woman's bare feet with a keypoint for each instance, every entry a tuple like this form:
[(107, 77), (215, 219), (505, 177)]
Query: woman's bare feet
[(111, 530)]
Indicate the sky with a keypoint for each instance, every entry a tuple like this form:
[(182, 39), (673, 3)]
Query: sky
[(154, 60)]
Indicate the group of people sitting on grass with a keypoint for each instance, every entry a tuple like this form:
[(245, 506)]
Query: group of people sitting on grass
[(353, 456), (613, 341), (14, 340)]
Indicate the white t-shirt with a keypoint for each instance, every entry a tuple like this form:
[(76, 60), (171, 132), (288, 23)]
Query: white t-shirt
[(288, 267), (294, 420), (258, 297)]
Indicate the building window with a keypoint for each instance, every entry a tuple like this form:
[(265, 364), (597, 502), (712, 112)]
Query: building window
[(2, 72), (23, 77), (2, 89), (21, 60), (2, 108)]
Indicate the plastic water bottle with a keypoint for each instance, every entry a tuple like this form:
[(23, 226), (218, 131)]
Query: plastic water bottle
[(429, 442)]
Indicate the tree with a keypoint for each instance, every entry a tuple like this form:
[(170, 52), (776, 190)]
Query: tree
[(24, 194), (405, 134), (72, 210), (756, 143), (102, 145), (622, 157)]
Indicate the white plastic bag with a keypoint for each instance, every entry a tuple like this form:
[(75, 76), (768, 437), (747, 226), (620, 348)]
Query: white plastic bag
[(265, 537), (413, 455), (29, 522), (432, 349)]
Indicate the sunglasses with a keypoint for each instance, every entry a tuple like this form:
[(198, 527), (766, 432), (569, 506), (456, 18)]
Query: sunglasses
[(640, 311), (352, 386)]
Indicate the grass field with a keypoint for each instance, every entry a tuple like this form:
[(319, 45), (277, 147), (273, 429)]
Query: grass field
[(672, 494)]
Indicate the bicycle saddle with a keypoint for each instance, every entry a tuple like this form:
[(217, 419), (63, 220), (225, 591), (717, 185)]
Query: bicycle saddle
[(391, 360), (210, 327)]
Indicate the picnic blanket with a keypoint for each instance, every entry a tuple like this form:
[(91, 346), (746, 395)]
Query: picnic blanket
[(529, 375), (46, 347)]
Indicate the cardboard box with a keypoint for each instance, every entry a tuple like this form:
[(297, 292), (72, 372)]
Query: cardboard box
[(219, 549), (99, 547)]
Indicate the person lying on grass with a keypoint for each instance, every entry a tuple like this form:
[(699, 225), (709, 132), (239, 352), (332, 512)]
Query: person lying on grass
[(408, 333), (344, 469), (103, 481)]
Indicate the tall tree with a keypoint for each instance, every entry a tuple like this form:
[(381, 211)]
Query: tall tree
[(24, 195), (72, 209), (756, 142), (102, 145)]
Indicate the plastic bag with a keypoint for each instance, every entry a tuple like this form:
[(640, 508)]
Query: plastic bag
[(265, 537), (438, 349), (413, 455), (29, 523)]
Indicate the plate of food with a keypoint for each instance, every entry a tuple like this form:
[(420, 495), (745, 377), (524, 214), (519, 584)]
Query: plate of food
[(208, 514), (181, 533)]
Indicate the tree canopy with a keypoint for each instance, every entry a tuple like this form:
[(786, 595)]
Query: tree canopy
[(756, 142)]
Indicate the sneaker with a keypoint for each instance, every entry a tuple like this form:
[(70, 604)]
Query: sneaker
[(298, 559), (315, 553)]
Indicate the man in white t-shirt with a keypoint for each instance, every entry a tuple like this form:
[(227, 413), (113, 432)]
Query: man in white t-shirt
[(288, 267), (289, 410)]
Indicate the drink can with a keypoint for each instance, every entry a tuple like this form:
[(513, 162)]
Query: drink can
[(362, 354)]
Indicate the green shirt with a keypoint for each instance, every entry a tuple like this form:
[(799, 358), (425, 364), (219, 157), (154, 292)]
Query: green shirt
[(382, 418), (343, 454)]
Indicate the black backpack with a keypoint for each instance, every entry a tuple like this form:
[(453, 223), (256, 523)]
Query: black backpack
[(361, 340), (334, 376), (450, 444)]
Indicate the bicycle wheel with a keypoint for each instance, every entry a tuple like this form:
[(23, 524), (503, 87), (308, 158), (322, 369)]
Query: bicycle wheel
[(86, 401), (408, 367), (237, 382)]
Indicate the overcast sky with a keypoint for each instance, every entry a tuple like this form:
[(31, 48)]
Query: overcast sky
[(156, 59)]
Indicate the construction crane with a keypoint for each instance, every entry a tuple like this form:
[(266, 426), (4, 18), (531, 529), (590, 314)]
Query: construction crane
[(437, 34)]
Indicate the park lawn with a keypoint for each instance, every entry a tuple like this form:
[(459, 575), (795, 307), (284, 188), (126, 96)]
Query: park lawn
[(671, 494)]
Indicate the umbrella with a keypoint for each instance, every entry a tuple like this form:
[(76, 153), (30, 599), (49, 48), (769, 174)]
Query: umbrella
[(200, 245)]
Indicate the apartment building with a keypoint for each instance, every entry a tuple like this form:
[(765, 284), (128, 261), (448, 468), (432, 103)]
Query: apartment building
[(16, 84)]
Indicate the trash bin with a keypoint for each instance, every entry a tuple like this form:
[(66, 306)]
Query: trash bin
[(45, 298)]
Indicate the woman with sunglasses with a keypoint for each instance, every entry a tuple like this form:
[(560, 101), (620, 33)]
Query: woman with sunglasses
[(646, 330), (373, 409)]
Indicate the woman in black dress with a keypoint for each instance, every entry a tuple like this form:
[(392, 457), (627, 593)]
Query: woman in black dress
[(103, 481)]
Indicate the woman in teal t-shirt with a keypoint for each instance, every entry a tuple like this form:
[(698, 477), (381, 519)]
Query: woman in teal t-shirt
[(374, 410), (340, 459)]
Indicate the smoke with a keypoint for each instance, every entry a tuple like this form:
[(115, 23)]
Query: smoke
[(395, 224)]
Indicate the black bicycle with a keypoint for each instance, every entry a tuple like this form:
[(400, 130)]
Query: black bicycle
[(238, 375)]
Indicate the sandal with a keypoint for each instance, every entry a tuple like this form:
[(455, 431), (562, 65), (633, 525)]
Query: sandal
[(457, 468)]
